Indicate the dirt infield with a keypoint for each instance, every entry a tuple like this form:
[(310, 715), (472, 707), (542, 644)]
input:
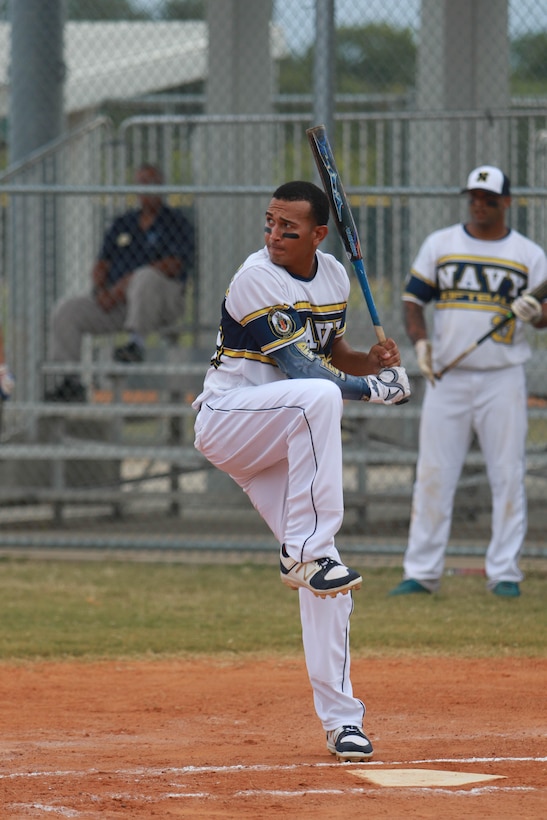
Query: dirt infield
[(239, 738)]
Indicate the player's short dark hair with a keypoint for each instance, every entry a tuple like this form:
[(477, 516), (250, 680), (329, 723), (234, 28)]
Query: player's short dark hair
[(302, 191)]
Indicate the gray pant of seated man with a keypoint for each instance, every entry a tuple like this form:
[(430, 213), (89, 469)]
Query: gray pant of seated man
[(153, 301)]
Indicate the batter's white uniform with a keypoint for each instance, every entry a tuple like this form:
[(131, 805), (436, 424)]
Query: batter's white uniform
[(473, 283), (280, 440)]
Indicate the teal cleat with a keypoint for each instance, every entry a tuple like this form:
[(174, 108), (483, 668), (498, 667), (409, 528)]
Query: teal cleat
[(507, 589), (409, 587)]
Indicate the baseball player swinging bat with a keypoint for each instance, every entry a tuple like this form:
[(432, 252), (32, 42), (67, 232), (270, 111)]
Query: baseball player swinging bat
[(343, 218), (539, 293)]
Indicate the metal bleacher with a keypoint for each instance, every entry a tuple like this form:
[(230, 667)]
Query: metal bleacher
[(113, 448), (130, 446), (134, 452)]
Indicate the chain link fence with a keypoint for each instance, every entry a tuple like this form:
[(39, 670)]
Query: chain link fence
[(218, 95)]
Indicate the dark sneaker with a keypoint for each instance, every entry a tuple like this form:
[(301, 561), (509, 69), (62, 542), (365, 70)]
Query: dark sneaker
[(322, 577), (409, 587), (70, 389), (349, 743), (129, 353), (507, 589)]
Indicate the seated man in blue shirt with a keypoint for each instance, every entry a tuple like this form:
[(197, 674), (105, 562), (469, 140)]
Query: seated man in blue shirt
[(138, 284)]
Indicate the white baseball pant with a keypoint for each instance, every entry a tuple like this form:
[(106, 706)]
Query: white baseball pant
[(281, 442), (492, 404)]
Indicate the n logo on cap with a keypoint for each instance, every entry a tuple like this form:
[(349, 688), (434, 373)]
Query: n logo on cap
[(483, 176)]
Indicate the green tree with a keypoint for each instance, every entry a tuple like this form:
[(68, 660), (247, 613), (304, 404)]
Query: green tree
[(529, 57), (375, 58), (295, 74), (529, 64), (184, 10)]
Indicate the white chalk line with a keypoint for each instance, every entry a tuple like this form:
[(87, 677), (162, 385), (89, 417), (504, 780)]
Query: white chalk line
[(61, 810), (264, 767), (476, 791), (400, 790), (181, 794)]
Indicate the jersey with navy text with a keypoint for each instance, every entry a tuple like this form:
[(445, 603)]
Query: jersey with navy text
[(472, 283)]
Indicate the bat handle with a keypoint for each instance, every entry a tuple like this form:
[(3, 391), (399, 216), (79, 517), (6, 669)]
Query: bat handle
[(380, 335), (507, 318), (359, 268)]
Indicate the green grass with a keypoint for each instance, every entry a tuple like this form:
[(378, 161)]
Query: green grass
[(108, 609)]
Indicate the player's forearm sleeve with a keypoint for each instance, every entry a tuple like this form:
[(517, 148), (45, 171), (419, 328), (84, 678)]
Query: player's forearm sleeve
[(297, 361)]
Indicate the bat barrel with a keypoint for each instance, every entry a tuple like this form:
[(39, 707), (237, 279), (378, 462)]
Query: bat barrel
[(342, 215)]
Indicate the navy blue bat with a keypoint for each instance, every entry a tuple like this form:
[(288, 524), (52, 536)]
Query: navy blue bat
[(343, 218)]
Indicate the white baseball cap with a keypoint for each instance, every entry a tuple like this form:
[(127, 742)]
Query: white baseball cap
[(488, 178)]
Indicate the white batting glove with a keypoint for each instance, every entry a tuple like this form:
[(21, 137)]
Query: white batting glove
[(7, 382), (425, 361), (390, 386), (527, 308)]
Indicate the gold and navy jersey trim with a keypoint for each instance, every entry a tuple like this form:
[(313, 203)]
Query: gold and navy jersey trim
[(267, 329), (463, 281), (479, 305), (248, 355), (257, 314), (316, 310), (280, 342), (492, 261)]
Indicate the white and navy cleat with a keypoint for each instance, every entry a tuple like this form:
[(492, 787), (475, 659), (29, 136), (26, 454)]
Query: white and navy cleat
[(349, 744), (324, 577)]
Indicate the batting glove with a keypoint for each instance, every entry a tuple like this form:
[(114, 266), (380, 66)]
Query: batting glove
[(390, 386), (7, 382), (527, 308), (425, 362)]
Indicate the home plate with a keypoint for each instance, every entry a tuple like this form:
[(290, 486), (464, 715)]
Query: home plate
[(422, 777)]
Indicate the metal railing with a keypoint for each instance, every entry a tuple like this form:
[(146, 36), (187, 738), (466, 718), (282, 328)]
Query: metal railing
[(402, 171)]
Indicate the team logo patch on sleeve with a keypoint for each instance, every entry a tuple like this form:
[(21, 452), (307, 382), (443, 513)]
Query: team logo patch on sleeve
[(281, 323)]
